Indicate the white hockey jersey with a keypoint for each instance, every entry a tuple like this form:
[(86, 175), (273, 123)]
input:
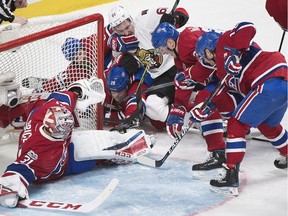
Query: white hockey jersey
[(145, 23)]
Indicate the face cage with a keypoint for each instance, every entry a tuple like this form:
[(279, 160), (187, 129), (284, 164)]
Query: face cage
[(200, 58), (161, 49), (64, 125)]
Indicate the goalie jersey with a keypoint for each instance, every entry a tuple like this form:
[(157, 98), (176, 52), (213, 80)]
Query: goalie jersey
[(40, 157)]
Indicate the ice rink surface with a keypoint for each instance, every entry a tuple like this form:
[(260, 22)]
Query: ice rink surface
[(170, 190)]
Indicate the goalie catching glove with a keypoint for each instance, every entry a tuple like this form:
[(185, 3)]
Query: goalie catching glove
[(89, 92)]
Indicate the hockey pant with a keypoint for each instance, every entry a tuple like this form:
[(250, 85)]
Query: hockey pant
[(264, 108)]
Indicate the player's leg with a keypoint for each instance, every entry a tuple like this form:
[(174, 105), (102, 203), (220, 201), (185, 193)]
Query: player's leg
[(158, 101)]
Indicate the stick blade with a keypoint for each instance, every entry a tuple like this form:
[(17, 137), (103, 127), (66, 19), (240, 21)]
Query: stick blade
[(71, 207), (147, 161)]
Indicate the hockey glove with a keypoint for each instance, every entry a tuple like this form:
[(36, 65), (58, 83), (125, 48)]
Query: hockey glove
[(175, 120), (232, 62), (183, 81), (122, 43), (178, 19), (130, 64), (182, 17), (199, 115), (11, 189)]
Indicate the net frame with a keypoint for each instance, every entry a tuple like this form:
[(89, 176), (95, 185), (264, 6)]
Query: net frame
[(79, 20)]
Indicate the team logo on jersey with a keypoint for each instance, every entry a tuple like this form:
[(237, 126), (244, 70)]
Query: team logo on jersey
[(32, 155), (150, 57)]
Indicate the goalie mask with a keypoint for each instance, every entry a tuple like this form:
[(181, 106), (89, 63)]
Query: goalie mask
[(59, 122)]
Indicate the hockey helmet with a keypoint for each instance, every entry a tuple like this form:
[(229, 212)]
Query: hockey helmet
[(117, 15), (206, 41), (161, 34), (59, 122), (117, 79), (71, 47)]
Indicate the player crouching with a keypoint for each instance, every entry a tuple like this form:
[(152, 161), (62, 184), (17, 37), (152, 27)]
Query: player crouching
[(49, 148)]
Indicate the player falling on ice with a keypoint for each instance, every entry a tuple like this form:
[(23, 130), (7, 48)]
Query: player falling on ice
[(49, 148)]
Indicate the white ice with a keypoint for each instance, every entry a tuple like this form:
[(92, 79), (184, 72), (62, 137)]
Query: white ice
[(170, 190)]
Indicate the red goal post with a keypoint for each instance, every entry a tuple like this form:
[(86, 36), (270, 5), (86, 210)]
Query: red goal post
[(34, 50)]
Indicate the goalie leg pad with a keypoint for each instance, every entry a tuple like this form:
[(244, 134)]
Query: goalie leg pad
[(99, 144)]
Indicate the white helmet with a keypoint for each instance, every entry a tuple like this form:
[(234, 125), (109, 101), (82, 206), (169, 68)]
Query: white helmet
[(117, 15), (59, 122)]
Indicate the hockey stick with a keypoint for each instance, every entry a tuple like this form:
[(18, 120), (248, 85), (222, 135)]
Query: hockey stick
[(157, 163), (70, 207), (281, 42), (175, 6)]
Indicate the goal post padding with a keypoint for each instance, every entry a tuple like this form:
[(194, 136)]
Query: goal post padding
[(34, 50)]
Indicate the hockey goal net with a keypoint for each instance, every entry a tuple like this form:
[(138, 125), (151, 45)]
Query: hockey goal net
[(33, 52)]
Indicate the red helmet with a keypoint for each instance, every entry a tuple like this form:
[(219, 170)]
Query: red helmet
[(59, 122)]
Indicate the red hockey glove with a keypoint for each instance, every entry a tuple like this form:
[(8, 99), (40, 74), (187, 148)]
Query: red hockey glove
[(178, 19), (121, 43), (198, 115), (175, 120), (232, 62), (183, 81)]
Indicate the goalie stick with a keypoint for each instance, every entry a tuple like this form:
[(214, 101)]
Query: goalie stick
[(158, 163), (70, 207)]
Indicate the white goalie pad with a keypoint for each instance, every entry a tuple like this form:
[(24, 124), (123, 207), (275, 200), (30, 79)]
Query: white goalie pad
[(100, 144), (9, 90)]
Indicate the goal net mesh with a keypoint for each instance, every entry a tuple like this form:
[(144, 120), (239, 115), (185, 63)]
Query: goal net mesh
[(34, 53)]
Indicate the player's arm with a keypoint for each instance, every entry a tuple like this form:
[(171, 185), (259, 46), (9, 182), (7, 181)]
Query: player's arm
[(242, 35), (6, 13)]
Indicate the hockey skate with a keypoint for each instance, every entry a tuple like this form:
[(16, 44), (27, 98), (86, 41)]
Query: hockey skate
[(33, 82), (228, 184), (211, 167), (281, 163)]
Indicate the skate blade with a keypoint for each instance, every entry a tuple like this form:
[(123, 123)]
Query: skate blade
[(228, 191), (208, 174)]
